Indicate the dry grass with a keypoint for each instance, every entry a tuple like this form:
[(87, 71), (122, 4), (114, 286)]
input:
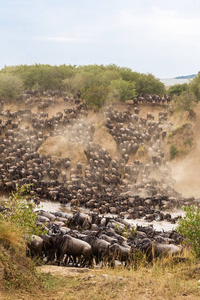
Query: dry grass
[(17, 271), (169, 278), (157, 282), (10, 235)]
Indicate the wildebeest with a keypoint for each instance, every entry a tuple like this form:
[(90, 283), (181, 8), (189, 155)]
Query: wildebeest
[(35, 246), (70, 246)]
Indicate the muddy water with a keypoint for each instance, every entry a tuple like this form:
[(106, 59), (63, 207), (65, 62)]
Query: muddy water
[(54, 206), (158, 225)]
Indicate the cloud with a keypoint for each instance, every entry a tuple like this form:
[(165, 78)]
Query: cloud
[(63, 39), (162, 24)]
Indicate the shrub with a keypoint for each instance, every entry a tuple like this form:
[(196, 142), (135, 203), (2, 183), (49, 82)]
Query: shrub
[(177, 89), (189, 227), (148, 84), (189, 142), (173, 151), (195, 86), (185, 102), (11, 86), (96, 96), (21, 211), (124, 89)]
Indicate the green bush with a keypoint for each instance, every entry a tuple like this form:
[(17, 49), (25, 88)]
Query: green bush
[(96, 96), (21, 211), (177, 89), (11, 86), (189, 227), (195, 86), (148, 84), (189, 142), (185, 102), (173, 151), (124, 89)]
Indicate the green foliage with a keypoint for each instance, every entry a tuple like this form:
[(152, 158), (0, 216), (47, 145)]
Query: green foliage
[(21, 211), (44, 77), (96, 96), (148, 84), (121, 83), (130, 233), (124, 89), (189, 227), (11, 86), (177, 89), (189, 142), (173, 152), (195, 86), (74, 84), (185, 102)]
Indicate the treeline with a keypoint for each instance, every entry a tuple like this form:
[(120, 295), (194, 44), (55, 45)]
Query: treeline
[(95, 83)]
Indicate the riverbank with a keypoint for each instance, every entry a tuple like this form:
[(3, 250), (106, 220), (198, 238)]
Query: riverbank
[(161, 281)]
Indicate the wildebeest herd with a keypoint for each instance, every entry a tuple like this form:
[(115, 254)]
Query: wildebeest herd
[(81, 239), (118, 185)]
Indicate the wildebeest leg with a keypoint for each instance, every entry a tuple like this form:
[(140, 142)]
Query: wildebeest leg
[(66, 260), (59, 257), (74, 261), (71, 259), (83, 262)]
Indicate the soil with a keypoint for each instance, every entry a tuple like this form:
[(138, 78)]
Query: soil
[(60, 147)]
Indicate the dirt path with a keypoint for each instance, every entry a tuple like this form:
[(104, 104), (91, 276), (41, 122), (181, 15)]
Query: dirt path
[(65, 271)]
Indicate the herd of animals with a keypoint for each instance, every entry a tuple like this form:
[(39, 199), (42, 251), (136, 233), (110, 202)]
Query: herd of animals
[(81, 239), (124, 187)]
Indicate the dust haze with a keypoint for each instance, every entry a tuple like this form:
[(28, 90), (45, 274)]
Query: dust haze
[(186, 172)]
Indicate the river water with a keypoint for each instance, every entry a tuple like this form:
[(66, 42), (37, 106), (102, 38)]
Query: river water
[(55, 206), (172, 81)]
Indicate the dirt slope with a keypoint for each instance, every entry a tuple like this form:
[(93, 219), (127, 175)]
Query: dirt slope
[(186, 171)]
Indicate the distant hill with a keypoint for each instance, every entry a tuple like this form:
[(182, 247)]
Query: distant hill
[(186, 77)]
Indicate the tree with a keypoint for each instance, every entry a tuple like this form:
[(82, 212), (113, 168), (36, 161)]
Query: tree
[(124, 89), (177, 89), (74, 84), (148, 84), (189, 227), (96, 96), (195, 86), (185, 102), (11, 86)]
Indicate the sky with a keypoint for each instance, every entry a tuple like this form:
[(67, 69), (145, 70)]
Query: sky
[(161, 37)]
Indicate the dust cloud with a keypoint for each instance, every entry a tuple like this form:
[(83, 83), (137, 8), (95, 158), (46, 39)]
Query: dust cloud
[(186, 172)]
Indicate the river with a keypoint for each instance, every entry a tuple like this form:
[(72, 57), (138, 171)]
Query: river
[(171, 81), (55, 206)]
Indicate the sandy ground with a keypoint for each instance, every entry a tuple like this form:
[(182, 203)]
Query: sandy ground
[(64, 271)]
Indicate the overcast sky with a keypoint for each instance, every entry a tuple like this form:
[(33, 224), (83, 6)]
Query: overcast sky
[(161, 37)]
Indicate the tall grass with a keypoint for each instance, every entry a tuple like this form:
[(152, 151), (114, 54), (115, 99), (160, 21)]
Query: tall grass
[(10, 235), (163, 279)]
